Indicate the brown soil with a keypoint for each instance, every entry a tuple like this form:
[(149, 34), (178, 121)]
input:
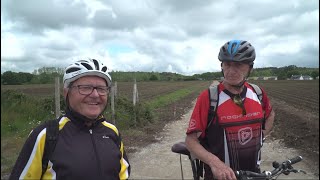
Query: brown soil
[(298, 129)]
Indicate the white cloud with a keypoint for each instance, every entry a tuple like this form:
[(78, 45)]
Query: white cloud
[(282, 47), (166, 35), (11, 46)]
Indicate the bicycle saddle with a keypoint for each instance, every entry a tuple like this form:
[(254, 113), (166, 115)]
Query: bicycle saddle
[(180, 148)]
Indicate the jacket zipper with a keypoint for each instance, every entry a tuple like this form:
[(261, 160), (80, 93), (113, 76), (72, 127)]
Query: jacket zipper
[(95, 151)]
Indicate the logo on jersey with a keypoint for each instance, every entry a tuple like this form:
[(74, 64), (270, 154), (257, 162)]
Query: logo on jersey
[(245, 135), (253, 114), (192, 124)]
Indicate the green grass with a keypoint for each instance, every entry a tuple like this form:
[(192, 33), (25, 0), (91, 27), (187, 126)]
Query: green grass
[(10, 148), (168, 98), (18, 116), (20, 113)]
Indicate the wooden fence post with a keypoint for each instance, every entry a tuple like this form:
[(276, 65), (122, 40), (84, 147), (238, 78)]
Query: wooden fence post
[(57, 96), (134, 92), (137, 94), (115, 89), (134, 102)]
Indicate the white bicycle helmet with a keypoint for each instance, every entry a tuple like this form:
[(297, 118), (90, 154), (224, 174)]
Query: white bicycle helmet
[(89, 67)]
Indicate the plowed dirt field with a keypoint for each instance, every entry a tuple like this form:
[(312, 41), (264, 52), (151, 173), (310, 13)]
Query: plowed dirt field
[(296, 104)]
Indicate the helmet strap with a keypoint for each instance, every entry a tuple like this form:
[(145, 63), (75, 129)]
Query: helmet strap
[(238, 86)]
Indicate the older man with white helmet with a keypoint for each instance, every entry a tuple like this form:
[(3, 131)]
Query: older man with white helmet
[(88, 147)]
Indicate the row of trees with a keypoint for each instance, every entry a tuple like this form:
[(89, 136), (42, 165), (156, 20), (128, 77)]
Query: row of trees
[(13, 78), (46, 75), (282, 73), (286, 72)]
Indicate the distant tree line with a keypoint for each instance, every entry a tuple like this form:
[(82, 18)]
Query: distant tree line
[(285, 72), (46, 75), (282, 73), (43, 75)]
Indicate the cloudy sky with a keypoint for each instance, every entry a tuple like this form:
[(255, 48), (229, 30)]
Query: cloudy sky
[(181, 36)]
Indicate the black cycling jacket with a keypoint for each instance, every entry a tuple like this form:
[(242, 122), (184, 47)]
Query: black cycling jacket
[(80, 153)]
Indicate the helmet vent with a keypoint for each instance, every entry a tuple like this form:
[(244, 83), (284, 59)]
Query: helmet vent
[(72, 70), (232, 48), (250, 54), (236, 56), (243, 49), (224, 49), (87, 66), (96, 64), (104, 69)]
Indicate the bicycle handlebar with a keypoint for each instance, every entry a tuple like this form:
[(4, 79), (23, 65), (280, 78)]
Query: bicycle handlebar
[(294, 160), (283, 168)]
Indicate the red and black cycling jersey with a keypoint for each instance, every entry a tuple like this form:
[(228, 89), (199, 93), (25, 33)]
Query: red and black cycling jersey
[(233, 137), (80, 153)]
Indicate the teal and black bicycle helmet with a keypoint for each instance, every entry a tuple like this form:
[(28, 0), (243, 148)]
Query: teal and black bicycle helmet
[(238, 51)]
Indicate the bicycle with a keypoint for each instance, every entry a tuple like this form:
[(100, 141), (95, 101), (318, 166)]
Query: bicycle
[(279, 168)]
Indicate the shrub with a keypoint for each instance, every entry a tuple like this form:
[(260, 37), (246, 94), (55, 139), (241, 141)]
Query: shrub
[(20, 113), (10, 97), (127, 115)]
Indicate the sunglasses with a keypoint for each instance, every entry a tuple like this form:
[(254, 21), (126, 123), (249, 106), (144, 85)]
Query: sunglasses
[(238, 101)]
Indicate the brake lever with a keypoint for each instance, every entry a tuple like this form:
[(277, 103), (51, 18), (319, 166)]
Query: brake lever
[(300, 170)]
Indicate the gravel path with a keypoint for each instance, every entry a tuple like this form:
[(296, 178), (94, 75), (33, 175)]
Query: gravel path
[(156, 161)]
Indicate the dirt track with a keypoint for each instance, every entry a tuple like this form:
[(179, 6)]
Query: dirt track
[(156, 161)]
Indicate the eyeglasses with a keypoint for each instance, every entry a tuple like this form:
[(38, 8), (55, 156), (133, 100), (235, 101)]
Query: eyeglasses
[(238, 101), (87, 89)]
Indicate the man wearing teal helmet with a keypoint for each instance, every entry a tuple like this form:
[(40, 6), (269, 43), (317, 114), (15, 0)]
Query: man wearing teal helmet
[(237, 59), (231, 140)]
